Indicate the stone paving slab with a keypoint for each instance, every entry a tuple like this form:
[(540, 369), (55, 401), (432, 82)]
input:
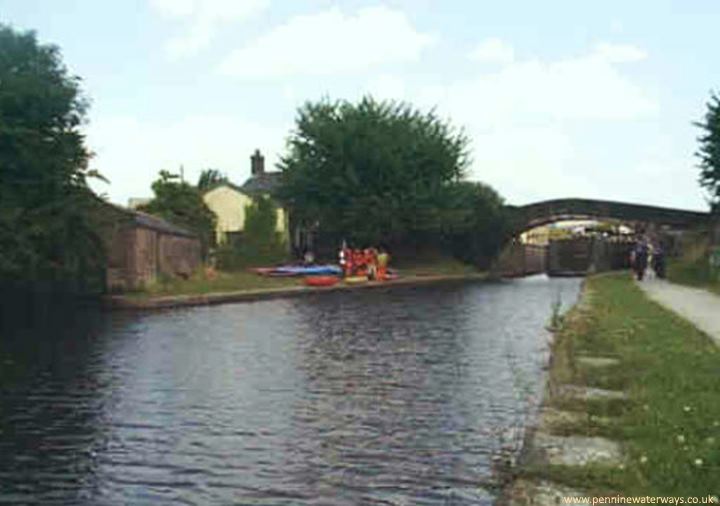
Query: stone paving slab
[(552, 419), (541, 493), (597, 361), (700, 307), (589, 393), (573, 450)]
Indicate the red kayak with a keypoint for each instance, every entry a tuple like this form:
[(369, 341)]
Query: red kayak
[(263, 271), (321, 280)]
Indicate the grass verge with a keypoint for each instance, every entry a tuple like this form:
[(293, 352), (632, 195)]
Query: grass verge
[(694, 273), (670, 427), (200, 283), (437, 265)]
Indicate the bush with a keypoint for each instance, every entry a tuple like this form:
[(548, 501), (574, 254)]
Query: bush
[(182, 204), (259, 244), (476, 223)]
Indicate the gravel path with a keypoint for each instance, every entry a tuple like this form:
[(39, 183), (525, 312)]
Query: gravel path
[(700, 307)]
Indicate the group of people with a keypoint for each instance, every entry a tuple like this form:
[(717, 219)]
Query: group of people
[(646, 254), (369, 262)]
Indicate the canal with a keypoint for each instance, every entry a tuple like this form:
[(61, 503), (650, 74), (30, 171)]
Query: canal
[(392, 397)]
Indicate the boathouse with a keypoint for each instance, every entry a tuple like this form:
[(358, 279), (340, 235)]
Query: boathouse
[(142, 248)]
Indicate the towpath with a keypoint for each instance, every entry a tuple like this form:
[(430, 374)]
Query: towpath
[(700, 307)]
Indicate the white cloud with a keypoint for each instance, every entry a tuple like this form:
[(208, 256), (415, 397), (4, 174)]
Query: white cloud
[(203, 17), (533, 91), (492, 50), (174, 8), (619, 53), (525, 119), (528, 119), (130, 152), (329, 43), (385, 86), (527, 163)]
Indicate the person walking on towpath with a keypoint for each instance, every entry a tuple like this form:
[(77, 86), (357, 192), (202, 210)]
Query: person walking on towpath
[(658, 264), (640, 259)]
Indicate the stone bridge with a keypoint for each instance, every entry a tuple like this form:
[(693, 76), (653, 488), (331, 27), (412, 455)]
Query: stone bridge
[(549, 211)]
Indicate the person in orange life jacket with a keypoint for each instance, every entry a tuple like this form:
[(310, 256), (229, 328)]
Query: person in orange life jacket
[(382, 263), (346, 260), (371, 256), (359, 267)]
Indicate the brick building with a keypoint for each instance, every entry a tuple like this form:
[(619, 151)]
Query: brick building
[(142, 248)]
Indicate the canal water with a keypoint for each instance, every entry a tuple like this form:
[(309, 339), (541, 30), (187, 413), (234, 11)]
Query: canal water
[(388, 397)]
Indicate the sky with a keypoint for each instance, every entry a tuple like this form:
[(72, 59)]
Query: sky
[(559, 98)]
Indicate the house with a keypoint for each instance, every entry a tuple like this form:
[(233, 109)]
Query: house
[(142, 248), (138, 202), (229, 201)]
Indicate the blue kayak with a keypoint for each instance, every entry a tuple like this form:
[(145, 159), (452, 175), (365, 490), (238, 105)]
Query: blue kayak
[(305, 270)]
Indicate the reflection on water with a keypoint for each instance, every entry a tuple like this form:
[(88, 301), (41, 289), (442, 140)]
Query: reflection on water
[(370, 397)]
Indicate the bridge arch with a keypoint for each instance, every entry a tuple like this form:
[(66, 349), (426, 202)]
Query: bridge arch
[(549, 211), (518, 258)]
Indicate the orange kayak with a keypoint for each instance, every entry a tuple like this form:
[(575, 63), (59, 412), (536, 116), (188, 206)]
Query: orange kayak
[(321, 280), (353, 280)]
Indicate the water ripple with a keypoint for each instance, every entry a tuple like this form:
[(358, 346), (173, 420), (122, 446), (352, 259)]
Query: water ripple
[(389, 398)]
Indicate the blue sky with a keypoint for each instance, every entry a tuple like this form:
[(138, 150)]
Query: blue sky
[(560, 98)]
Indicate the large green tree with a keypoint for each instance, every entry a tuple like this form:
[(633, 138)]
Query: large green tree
[(372, 171), (477, 224), (709, 151), (182, 204), (46, 209)]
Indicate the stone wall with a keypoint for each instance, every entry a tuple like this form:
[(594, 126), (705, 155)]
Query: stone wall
[(518, 259), (580, 255), (569, 256), (715, 234), (178, 256)]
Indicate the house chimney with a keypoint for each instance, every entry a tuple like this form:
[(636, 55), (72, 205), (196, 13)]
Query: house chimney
[(257, 163)]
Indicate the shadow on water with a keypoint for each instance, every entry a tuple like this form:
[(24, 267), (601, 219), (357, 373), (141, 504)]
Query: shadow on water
[(48, 399), (370, 397)]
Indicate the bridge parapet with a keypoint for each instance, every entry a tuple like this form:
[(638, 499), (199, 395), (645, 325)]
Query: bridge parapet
[(549, 211)]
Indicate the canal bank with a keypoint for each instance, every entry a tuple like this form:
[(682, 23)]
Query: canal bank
[(630, 406), (135, 302)]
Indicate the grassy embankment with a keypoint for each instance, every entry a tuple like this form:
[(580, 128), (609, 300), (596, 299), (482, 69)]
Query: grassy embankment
[(695, 272), (201, 283), (693, 267), (670, 427)]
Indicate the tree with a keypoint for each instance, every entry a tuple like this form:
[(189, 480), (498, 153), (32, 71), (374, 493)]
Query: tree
[(209, 178), (182, 204), (373, 171), (260, 243), (709, 151), (46, 208), (477, 224)]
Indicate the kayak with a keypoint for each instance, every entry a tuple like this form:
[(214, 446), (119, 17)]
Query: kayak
[(306, 270), (321, 280), (264, 271), (353, 280), (300, 270)]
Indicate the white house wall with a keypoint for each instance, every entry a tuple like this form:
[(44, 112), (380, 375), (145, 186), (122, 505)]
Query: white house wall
[(229, 208), (229, 205)]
